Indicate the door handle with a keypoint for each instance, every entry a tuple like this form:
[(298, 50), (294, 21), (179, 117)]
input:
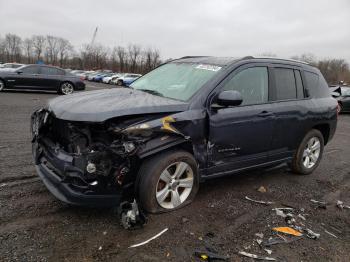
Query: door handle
[(265, 114)]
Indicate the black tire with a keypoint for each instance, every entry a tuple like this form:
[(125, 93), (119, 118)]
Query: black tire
[(120, 83), (149, 176), (2, 85), (297, 164), (62, 88)]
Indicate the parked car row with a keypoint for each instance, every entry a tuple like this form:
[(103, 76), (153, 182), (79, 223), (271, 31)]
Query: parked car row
[(342, 94), (107, 77)]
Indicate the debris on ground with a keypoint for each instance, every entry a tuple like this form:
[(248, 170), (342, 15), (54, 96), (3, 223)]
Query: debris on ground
[(341, 205), (262, 189), (319, 204), (311, 234), (268, 251), (100, 248), (288, 230), (3, 184), (302, 217), (259, 201), (184, 220), (131, 217), (274, 241), (256, 256), (329, 233), (206, 255), (149, 240), (260, 235)]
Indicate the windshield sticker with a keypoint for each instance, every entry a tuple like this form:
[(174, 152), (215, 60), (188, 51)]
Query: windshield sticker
[(209, 67)]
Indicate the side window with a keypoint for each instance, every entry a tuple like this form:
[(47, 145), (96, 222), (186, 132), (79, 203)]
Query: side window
[(285, 84), (252, 83), (30, 70), (312, 83), (299, 83), (51, 71)]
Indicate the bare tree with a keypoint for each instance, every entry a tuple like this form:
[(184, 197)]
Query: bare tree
[(64, 48), (28, 49), (52, 49), (13, 47), (122, 57), (38, 45), (134, 52)]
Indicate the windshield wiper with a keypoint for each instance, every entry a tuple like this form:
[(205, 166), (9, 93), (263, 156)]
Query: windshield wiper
[(153, 92)]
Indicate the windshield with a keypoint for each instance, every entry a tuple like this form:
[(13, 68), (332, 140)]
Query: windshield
[(176, 80)]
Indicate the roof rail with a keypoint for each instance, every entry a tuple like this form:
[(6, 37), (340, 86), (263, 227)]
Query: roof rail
[(276, 58)]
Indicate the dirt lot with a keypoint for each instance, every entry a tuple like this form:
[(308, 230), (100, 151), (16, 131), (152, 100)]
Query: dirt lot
[(34, 226)]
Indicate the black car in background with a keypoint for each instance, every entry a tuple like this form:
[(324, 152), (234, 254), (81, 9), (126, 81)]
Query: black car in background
[(40, 77), (342, 94)]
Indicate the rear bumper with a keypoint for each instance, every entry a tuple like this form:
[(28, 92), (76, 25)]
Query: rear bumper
[(56, 171)]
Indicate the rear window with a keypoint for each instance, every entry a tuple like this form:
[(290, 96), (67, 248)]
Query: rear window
[(51, 71)]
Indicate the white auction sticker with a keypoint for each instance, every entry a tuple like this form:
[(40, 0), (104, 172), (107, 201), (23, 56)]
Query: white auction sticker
[(209, 67)]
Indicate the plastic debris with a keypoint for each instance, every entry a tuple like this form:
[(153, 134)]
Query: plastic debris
[(260, 235), (288, 230), (259, 201), (331, 234), (341, 205), (256, 256), (3, 184), (259, 241), (262, 189), (268, 251), (302, 217), (274, 241), (280, 213), (149, 240), (209, 256), (100, 248), (311, 234), (320, 204)]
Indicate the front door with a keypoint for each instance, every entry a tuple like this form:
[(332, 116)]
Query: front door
[(26, 78), (241, 136)]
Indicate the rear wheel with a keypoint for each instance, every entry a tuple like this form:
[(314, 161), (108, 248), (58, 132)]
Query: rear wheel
[(168, 181), (119, 82), (2, 85), (66, 88), (309, 153)]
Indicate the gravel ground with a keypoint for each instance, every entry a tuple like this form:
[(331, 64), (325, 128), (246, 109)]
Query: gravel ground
[(34, 226)]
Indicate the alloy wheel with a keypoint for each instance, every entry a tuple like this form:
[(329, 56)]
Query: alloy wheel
[(174, 185), (311, 152), (67, 88), (2, 85)]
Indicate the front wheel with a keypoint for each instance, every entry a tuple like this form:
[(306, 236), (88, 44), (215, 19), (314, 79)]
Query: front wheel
[(309, 153), (168, 181), (2, 85), (66, 88), (119, 82)]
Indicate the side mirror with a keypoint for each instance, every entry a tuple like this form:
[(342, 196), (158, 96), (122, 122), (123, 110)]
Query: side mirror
[(229, 98), (19, 72)]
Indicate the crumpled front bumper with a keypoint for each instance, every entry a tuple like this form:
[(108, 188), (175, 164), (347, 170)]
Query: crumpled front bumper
[(56, 170)]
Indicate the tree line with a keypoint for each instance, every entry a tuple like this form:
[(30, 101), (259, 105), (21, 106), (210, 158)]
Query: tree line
[(134, 58), (60, 52)]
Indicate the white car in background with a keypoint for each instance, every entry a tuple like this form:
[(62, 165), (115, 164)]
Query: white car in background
[(126, 79), (108, 79)]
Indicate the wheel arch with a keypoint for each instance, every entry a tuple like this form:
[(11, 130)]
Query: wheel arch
[(66, 81), (325, 131)]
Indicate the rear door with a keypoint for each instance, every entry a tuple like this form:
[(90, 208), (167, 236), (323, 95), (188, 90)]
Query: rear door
[(50, 77), (240, 136), (291, 109)]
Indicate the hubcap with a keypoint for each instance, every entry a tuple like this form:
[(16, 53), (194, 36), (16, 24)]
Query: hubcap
[(67, 89), (174, 185), (311, 152)]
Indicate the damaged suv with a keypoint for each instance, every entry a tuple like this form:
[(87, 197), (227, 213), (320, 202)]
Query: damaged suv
[(184, 122)]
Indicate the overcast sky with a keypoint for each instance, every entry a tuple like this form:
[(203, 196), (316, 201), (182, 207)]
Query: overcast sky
[(190, 27)]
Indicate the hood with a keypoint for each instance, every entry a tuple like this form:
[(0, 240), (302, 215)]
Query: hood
[(98, 106)]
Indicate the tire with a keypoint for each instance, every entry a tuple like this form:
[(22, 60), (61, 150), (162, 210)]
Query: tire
[(308, 150), (66, 88), (152, 187), (120, 83), (2, 85)]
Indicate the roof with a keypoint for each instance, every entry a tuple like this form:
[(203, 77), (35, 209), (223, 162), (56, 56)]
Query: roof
[(223, 61)]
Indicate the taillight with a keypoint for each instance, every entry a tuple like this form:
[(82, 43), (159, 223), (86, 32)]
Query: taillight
[(82, 78)]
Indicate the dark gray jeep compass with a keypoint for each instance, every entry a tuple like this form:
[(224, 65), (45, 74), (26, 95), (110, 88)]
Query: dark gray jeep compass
[(184, 122)]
